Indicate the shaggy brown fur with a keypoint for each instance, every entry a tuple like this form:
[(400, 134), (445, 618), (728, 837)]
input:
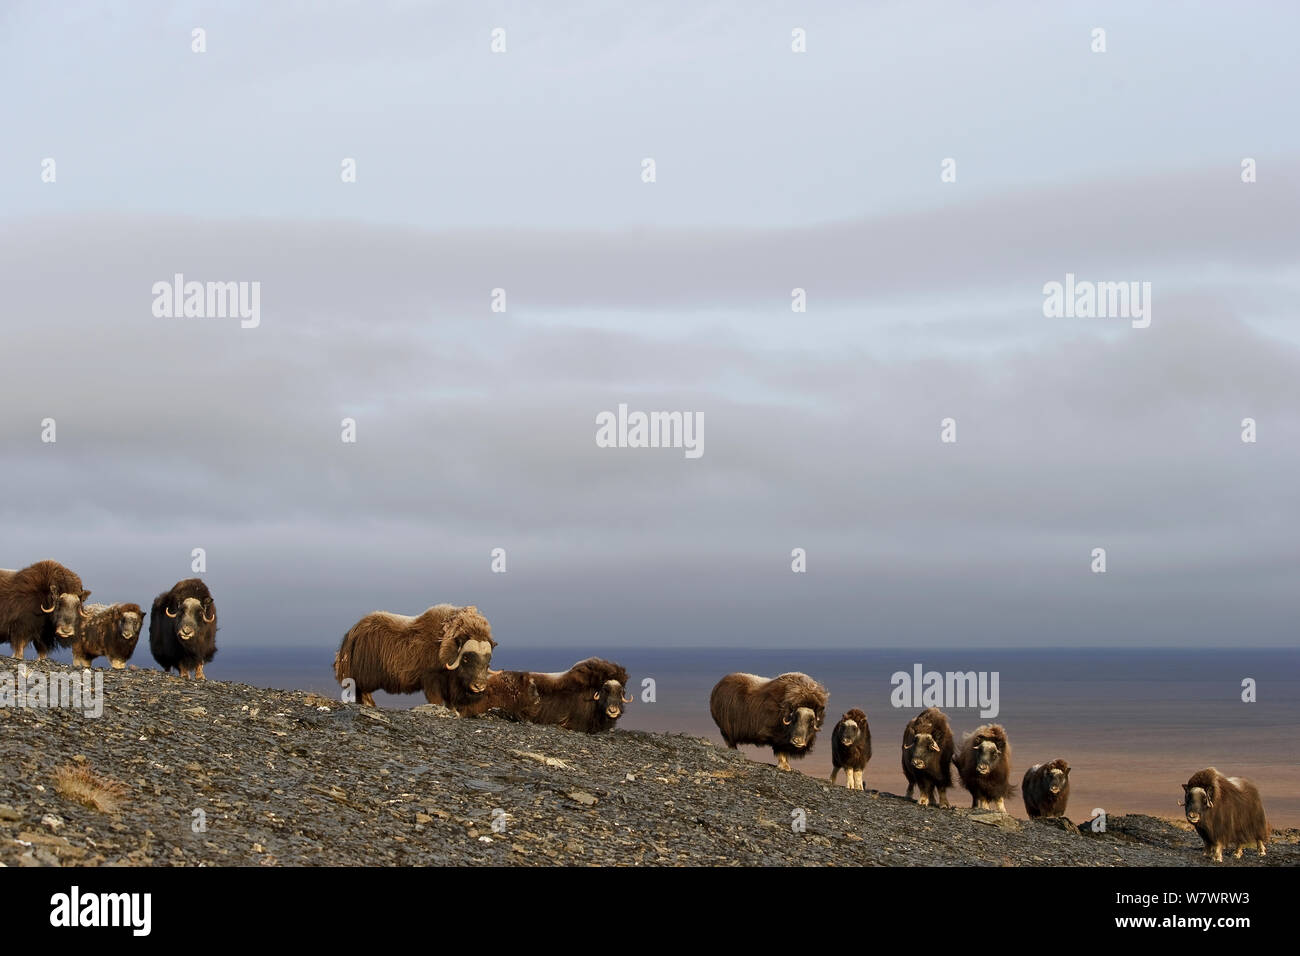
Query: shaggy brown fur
[(783, 713), (984, 764), (110, 630), (400, 655), (1036, 789), (509, 694), (36, 604), (928, 741), (588, 697), (851, 757), (183, 628), (1226, 812)]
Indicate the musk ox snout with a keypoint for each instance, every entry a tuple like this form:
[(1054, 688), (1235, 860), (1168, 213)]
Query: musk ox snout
[(66, 611)]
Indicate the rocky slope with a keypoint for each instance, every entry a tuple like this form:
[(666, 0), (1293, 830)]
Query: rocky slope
[(183, 773)]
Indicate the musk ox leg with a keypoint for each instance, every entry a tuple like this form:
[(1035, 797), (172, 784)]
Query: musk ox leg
[(835, 771), (367, 700), (782, 762), (1263, 850), (1218, 853), (1002, 805), (198, 673), (857, 780), (118, 665), (943, 797), (1240, 851), (911, 786)]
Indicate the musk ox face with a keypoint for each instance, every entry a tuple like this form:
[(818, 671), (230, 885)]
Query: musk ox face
[(987, 755), (128, 630), (1196, 802), (470, 663), (609, 699), (922, 749), (65, 611), (189, 615), (849, 733), (1057, 779), (800, 725)]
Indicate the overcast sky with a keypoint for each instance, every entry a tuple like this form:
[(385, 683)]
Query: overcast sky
[(522, 170)]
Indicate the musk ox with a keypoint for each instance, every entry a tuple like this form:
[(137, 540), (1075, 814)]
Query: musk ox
[(1226, 812), (984, 764), (41, 605), (587, 697), (444, 652), (927, 756), (851, 748), (783, 712), (183, 628), (1046, 789), (509, 694), (109, 630)]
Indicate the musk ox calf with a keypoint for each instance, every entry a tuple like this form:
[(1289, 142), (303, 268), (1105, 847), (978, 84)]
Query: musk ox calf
[(927, 756), (183, 628), (1226, 812), (1046, 789), (588, 697), (783, 712), (984, 763), (851, 748), (509, 694), (444, 652), (40, 605), (109, 630)]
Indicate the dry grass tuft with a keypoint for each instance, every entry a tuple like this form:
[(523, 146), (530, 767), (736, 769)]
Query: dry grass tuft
[(82, 785)]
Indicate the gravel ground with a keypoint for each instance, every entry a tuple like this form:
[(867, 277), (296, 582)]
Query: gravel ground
[(226, 774)]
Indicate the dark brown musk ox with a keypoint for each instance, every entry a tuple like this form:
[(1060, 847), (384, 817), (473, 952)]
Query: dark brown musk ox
[(40, 605), (109, 630), (588, 697), (984, 764), (851, 748), (1226, 812), (444, 652), (783, 712), (927, 756), (509, 694), (1046, 789), (183, 628)]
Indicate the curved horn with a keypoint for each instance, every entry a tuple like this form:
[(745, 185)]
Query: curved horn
[(54, 600), (207, 619), (627, 700), (492, 673), (788, 720), (169, 612), (82, 611), (456, 663), (596, 696)]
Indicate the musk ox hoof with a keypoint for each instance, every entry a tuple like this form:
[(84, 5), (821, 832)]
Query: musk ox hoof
[(1263, 850), (923, 801)]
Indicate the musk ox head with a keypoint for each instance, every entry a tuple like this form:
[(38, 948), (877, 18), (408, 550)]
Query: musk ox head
[(922, 749), (65, 610), (189, 616), (986, 753), (1057, 777), (1197, 798), (848, 730), (466, 648), (122, 643), (609, 699), (800, 721)]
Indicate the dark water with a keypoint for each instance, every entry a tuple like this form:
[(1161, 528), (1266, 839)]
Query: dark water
[(1134, 724)]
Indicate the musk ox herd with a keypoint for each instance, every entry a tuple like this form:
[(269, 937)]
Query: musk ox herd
[(44, 606), (446, 653), (786, 712)]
